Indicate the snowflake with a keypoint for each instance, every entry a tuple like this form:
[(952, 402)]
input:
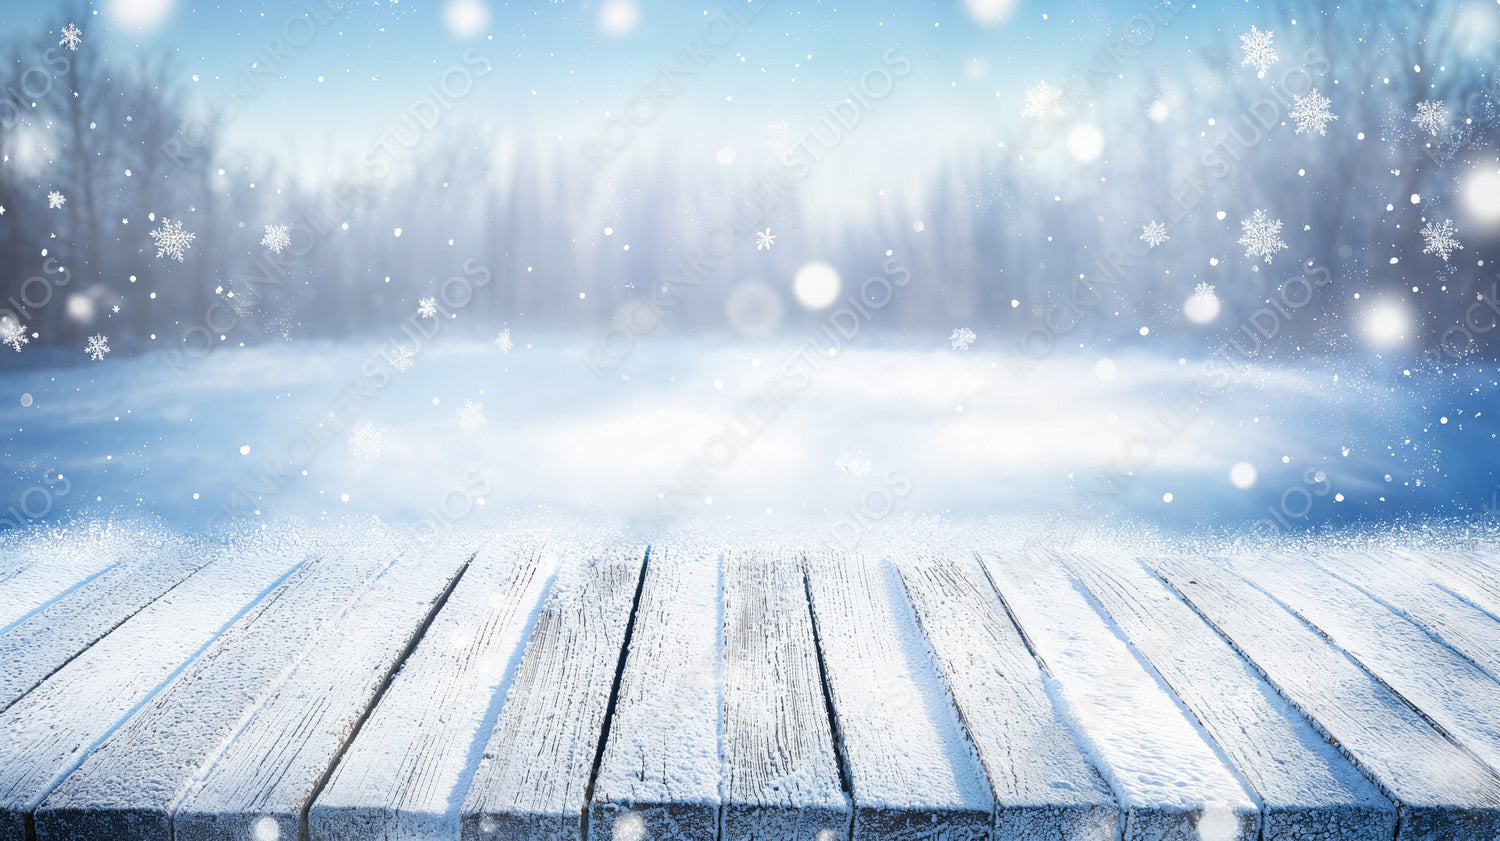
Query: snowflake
[(778, 134), (1262, 236), (13, 333), (366, 441), (1432, 116), (1258, 50), (1442, 240), (2, 210), (402, 357), (1154, 234), (1203, 292), (855, 464), (764, 240), (961, 338), (471, 415), (72, 36), (1042, 103), (56, 200), (503, 341), (1311, 112), (98, 346), (427, 307), (171, 240), (276, 238)]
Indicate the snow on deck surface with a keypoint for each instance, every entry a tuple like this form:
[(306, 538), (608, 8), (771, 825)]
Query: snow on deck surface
[(351, 680)]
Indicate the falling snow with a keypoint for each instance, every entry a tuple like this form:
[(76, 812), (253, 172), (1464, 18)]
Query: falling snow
[(853, 463), (56, 200), (471, 415), (961, 338), (1442, 240), (764, 240), (72, 36), (1311, 113), (365, 441), (97, 347), (276, 238), (1431, 116), (171, 240), (1203, 291), (1258, 50), (503, 341), (401, 357), (427, 307), (1262, 236), (1154, 234), (1042, 103), (13, 333)]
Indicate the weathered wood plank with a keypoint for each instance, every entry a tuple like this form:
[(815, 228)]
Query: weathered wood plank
[(45, 640), (130, 785), (405, 775), (1306, 787), (52, 728), (1443, 791), (1468, 574), (1044, 787), (532, 782), (266, 778), (1416, 596), (912, 770), (48, 563), (1457, 695), (1163, 769), (780, 770), (659, 774)]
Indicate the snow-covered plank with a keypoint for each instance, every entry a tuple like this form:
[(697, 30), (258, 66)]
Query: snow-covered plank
[(1306, 787), (912, 771), (266, 778), (405, 775), (1456, 694), (1418, 597), (533, 779), (1044, 787), (1164, 770), (45, 640), (1469, 574), (47, 563), (780, 770), (659, 773), (1443, 791), (130, 785), (51, 729)]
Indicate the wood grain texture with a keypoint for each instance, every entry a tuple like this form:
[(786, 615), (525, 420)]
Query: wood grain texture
[(52, 728), (1471, 574), (45, 564), (1306, 788), (532, 781), (1164, 770), (780, 771), (660, 771), (1457, 695), (131, 784), (1443, 791), (912, 770), (406, 773), (265, 779), (1044, 787), (43, 641)]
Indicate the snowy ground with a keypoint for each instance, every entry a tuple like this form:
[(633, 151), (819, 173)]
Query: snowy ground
[(687, 432)]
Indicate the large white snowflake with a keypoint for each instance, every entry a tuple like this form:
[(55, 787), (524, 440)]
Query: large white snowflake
[(427, 307), (1442, 240), (764, 240), (961, 338), (471, 415), (276, 238), (97, 347), (13, 333), (1042, 103), (1311, 113), (1203, 291), (365, 441), (72, 36), (1431, 116), (402, 357), (1154, 234), (171, 240), (1259, 53), (1262, 235), (855, 464), (503, 341), (56, 200)]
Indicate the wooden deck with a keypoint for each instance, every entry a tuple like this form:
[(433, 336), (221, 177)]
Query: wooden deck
[(367, 684)]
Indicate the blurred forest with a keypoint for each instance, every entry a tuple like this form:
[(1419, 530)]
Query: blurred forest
[(994, 229)]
